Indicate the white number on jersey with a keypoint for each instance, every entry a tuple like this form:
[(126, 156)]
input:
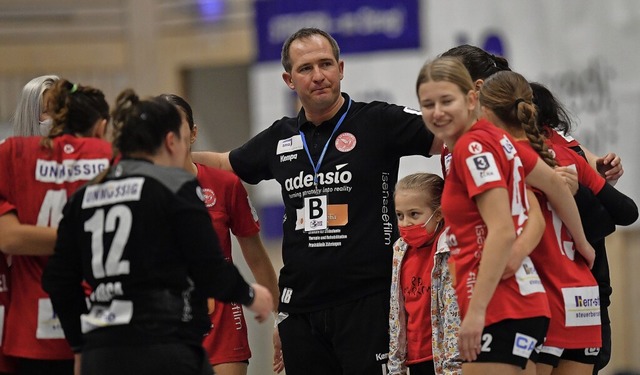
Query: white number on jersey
[(566, 247), (519, 202), (50, 212), (118, 219)]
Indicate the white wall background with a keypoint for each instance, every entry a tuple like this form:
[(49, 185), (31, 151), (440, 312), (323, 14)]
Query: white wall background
[(586, 51)]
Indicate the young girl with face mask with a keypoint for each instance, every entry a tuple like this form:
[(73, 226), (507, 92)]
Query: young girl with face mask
[(420, 221)]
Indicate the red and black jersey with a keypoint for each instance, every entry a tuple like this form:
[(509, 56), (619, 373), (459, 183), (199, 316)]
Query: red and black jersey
[(485, 158), (559, 138), (143, 241), (231, 211), (35, 182), (228, 205), (600, 216), (587, 176), (571, 288), (7, 364)]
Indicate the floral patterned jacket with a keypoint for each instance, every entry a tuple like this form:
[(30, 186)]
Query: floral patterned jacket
[(445, 314), (445, 317), (397, 315)]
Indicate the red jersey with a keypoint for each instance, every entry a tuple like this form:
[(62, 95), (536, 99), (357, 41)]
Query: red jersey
[(485, 158), (231, 212), (36, 182), (571, 288), (7, 364), (415, 283), (558, 138)]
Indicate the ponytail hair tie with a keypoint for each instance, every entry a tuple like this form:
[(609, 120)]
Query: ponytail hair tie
[(518, 101), (74, 88), (492, 58)]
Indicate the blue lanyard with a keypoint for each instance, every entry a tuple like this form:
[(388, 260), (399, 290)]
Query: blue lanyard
[(316, 167)]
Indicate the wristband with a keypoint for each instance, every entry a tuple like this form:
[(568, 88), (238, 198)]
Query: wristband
[(252, 296)]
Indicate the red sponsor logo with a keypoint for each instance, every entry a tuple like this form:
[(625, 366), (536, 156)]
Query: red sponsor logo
[(69, 149), (209, 197), (475, 148), (345, 142)]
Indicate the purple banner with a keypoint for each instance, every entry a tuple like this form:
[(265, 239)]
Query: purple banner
[(357, 25)]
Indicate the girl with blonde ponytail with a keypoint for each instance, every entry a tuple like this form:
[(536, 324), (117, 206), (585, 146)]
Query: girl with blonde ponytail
[(573, 338)]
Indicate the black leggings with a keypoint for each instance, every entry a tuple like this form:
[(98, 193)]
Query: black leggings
[(422, 368), (173, 358), (27, 366), (605, 352)]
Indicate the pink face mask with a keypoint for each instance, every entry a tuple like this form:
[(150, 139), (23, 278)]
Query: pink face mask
[(417, 235)]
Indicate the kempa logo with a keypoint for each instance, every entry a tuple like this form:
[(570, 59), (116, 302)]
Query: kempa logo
[(306, 180), (290, 157), (381, 356)]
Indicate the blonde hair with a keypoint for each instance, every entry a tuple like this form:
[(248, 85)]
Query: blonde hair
[(510, 97), (429, 183), (447, 69)]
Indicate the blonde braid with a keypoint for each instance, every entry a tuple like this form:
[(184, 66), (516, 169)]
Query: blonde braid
[(526, 113)]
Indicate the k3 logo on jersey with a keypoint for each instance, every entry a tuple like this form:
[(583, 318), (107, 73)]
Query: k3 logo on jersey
[(483, 168)]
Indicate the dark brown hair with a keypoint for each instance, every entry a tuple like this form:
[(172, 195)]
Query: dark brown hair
[(75, 109)]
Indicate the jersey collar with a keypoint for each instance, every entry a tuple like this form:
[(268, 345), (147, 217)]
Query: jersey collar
[(304, 124)]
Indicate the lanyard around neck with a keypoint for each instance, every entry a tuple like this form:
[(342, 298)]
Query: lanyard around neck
[(316, 167)]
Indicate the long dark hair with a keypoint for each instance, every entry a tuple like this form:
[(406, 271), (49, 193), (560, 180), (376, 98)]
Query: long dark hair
[(141, 125), (551, 112), (179, 102), (74, 109), (480, 63)]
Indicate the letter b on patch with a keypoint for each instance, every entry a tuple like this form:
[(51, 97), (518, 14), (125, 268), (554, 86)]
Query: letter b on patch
[(315, 213)]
